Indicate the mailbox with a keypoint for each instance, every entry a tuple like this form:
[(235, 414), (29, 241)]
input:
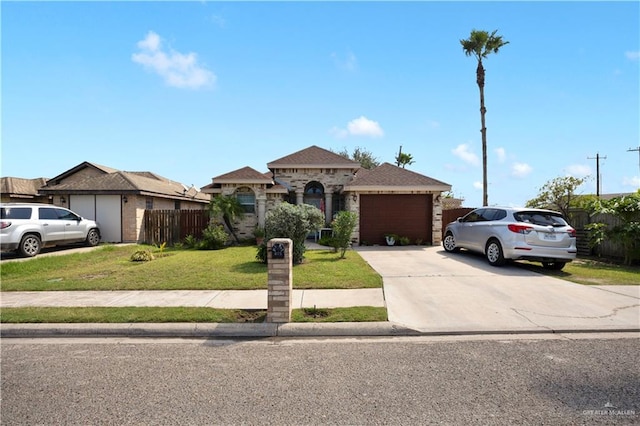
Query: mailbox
[(277, 251)]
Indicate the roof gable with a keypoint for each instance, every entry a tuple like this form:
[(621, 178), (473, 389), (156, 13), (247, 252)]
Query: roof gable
[(313, 157)]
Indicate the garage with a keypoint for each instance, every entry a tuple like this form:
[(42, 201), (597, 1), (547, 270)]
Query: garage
[(407, 215), (104, 209)]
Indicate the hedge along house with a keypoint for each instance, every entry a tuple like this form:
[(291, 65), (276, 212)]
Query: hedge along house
[(117, 200), (387, 199)]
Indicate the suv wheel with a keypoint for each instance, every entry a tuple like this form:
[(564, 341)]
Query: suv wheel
[(30, 245), (494, 253), (93, 238), (449, 243)]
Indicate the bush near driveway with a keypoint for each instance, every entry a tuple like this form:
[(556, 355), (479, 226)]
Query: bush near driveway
[(233, 268)]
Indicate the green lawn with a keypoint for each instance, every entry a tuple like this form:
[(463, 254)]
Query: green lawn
[(592, 272), (110, 268), (164, 315)]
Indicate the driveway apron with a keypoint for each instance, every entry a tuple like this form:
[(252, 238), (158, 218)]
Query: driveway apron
[(430, 290)]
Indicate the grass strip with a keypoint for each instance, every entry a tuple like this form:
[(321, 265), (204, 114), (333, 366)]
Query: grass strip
[(168, 315)]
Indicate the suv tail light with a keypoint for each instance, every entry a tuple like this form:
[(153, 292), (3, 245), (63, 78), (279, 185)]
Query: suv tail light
[(520, 229), (571, 232), (4, 224)]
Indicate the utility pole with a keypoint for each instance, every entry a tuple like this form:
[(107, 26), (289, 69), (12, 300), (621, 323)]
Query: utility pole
[(636, 149), (597, 158)]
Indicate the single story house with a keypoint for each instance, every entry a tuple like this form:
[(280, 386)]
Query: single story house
[(388, 199), (117, 199)]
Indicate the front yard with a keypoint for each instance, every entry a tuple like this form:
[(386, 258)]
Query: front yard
[(234, 268)]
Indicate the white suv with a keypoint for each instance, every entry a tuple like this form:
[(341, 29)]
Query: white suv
[(27, 228)]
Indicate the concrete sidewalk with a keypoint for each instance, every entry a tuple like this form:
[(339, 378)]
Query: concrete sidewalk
[(220, 299)]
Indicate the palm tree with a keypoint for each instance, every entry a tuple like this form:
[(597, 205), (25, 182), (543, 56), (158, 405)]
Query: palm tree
[(230, 208), (480, 44)]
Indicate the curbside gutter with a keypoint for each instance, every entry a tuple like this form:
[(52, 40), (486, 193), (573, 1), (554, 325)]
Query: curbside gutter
[(261, 330), (205, 330)]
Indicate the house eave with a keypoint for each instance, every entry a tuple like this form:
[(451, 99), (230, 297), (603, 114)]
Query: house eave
[(342, 166), (403, 188)]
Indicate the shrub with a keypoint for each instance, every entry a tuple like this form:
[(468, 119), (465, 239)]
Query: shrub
[(190, 241), (142, 256), (213, 238), (403, 241), (293, 222), (343, 226)]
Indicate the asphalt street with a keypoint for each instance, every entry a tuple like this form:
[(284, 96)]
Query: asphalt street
[(558, 379)]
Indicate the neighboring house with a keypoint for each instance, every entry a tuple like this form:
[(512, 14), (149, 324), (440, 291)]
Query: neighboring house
[(117, 200), (19, 190), (387, 199)]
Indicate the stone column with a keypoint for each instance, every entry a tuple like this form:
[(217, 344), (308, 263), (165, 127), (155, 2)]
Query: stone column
[(280, 280), (262, 208), (328, 207), (300, 196)]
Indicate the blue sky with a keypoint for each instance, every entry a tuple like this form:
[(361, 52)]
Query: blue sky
[(193, 90)]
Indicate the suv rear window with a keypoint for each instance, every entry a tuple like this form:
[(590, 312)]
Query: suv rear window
[(15, 213), (541, 218)]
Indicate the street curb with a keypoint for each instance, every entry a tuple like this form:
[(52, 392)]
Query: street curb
[(260, 330)]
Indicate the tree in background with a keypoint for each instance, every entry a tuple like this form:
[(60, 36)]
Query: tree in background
[(229, 208), (626, 209), (403, 159), (557, 194), (362, 156), (480, 44), (343, 226)]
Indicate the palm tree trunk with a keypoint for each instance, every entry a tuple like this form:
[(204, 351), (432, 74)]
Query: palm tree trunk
[(483, 130)]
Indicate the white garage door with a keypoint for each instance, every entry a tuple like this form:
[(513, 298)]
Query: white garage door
[(104, 209)]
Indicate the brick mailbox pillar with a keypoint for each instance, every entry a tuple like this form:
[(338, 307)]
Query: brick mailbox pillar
[(280, 279)]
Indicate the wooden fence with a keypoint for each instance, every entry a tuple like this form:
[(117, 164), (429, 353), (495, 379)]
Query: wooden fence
[(173, 226)]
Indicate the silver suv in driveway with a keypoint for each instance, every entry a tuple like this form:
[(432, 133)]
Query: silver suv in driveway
[(503, 234), (27, 228)]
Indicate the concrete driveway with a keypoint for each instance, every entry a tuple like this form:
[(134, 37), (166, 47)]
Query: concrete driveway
[(430, 290)]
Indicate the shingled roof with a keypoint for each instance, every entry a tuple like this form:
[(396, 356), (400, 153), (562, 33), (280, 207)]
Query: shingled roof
[(20, 187), (390, 177), (314, 157), (120, 182), (247, 176)]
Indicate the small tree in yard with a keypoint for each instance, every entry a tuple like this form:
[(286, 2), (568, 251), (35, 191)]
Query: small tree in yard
[(229, 208), (343, 226), (625, 208), (557, 194), (291, 221)]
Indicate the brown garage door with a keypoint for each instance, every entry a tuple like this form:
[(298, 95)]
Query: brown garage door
[(404, 215)]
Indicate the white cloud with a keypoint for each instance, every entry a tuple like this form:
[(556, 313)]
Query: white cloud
[(433, 124), (634, 56), (578, 170), (462, 152), (349, 62), (361, 126), (632, 182), (477, 185), (177, 69), (502, 154), (520, 170)]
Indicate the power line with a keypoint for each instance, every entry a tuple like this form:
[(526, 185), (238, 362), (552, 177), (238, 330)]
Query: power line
[(597, 158)]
